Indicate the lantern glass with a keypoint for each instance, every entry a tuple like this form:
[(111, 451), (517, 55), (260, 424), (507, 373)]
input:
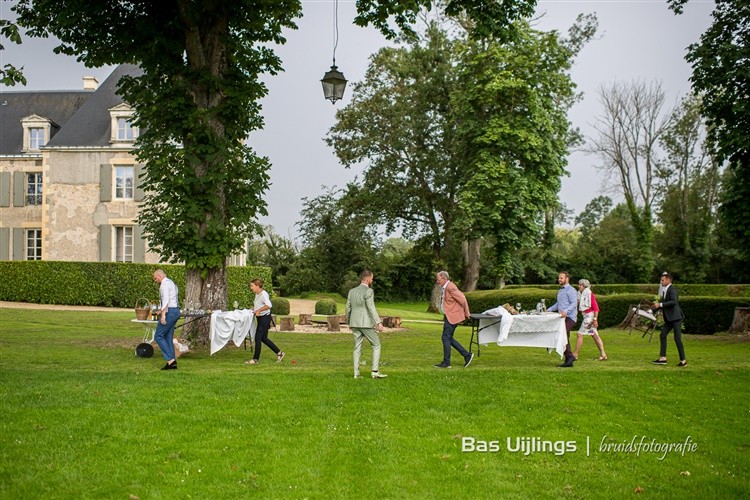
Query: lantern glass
[(333, 84)]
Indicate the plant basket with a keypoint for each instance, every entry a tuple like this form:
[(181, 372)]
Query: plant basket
[(142, 312)]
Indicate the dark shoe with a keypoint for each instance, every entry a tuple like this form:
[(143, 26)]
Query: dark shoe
[(172, 366), (568, 363), (468, 358), (443, 365), (659, 361), (682, 363)]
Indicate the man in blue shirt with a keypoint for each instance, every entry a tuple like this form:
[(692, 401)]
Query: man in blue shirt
[(567, 306)]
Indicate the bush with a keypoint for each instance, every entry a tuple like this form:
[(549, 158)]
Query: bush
[(109, 284), (325, 307), (280, 306), (703, 315)]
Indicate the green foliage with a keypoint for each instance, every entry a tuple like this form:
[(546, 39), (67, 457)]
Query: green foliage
[(111, 284), (9, 74), (514, 133), (721, 62), (339, 242), (326, 307), (280, 306)]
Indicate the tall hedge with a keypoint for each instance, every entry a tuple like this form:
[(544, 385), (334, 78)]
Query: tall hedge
[(703, 315), (702, 290), (109, 284)]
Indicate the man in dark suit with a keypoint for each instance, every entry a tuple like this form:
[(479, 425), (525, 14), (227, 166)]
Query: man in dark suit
[(673, 317)]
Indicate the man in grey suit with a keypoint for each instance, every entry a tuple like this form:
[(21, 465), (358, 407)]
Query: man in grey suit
[(364, 321)]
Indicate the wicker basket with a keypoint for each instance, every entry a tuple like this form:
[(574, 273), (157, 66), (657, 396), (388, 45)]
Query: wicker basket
[(143, 312)]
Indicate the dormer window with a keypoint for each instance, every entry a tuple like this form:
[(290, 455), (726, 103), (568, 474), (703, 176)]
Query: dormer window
[(36, 138), (37, 130), (123, 131)]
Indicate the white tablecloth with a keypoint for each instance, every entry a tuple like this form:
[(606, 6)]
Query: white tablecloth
[(231, 325), (543, 330)]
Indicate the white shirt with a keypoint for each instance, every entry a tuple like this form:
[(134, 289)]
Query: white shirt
[(167, 293), (262, 299)]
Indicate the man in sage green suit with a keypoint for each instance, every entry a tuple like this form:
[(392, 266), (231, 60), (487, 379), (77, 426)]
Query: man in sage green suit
[(364, 321)]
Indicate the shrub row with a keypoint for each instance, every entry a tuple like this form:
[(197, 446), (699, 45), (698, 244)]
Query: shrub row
[(703, 315), (109, 284), (686, 289)]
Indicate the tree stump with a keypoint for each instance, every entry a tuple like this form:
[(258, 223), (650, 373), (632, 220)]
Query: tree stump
[(741, 321), (305, 319), (287, 324), (333, 323), (392, 322), (342, 319)]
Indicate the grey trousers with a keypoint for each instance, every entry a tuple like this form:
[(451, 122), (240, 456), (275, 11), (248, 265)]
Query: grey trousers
[(359, 337)]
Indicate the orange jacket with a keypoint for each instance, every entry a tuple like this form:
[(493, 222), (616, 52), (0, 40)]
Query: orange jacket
[(455, 307)]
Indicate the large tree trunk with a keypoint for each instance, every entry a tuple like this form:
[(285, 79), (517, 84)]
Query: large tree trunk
[(434, 306), (209, 293), (471, 250)]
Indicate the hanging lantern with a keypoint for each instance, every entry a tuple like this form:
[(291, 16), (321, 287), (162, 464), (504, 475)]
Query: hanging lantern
[(333, 84), (333, 81)]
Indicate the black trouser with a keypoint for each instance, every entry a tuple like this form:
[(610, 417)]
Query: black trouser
[(261, 336), (569, 324), (677, 327), (448, 341)]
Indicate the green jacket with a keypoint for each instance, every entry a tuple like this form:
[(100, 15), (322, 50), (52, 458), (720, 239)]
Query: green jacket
[(360, 308)]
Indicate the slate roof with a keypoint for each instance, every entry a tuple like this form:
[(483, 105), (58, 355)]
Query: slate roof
[(82, 115), (58, 106), (90, 125)]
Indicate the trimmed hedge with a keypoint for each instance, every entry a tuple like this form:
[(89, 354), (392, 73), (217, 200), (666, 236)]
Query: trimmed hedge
[(280, 305), (703, 315), (686, 289), (325, 307), (109, 284)]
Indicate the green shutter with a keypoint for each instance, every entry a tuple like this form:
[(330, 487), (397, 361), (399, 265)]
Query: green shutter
[(18, 244), (19, 189), (139, 244), (137, 172), (4, 190), (4, 243), (105, 182), (105, 243)]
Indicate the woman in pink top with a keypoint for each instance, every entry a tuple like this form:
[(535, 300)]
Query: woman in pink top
[(590, 309)]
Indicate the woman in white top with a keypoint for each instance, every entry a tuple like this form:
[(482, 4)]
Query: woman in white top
[(262, 307)]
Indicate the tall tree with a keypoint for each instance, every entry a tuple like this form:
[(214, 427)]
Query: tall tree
[(513, 132), (691, 177), (196, 103), (450, 128), (721, 65), (633, 121)]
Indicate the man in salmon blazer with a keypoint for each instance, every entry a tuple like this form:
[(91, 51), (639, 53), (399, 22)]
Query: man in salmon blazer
[(455, 309)]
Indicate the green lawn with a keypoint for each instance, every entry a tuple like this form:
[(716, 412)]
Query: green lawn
[(82, 417)]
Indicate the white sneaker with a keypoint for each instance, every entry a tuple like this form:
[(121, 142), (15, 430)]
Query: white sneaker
[(378, 375)]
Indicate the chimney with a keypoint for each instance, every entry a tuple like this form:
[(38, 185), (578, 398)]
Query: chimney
[(90, 83)]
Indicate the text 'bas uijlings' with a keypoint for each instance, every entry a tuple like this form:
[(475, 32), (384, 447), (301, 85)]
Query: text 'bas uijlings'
[(524, 445)]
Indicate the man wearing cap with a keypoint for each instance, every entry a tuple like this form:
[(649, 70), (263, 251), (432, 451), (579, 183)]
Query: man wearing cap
[(673, 317)]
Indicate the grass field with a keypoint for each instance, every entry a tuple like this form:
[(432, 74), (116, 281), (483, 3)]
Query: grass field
[(82, 417)]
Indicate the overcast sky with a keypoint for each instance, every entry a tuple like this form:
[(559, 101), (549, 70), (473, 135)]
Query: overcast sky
[(636, 40)]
